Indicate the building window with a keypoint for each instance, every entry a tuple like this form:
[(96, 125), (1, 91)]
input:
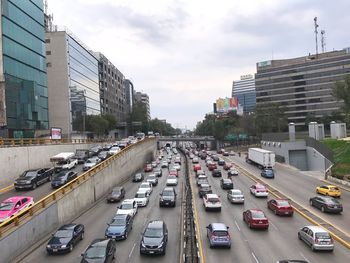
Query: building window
[(48, 52), (49, 64), (47, 40)]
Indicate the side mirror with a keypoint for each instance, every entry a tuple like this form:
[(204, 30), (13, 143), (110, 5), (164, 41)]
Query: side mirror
[(108, 224)]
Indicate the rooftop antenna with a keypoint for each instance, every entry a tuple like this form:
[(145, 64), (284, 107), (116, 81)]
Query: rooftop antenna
[(316, 32), (323, 40)]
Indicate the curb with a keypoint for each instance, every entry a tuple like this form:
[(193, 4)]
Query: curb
[(7, 188), (340, 183)]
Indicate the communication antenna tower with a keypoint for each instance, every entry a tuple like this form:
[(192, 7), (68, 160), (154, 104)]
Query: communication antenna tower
[(316, 32), (323, 41)]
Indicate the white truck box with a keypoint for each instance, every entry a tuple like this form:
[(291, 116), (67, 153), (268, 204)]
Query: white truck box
[(261, 157)]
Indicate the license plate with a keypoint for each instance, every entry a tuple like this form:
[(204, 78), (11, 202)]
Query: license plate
[(286, 213), (54, 250), (114, 236), (260, 222), (151, 252)]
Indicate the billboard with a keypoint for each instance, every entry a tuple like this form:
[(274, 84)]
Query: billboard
[(226, 105), (56, 133)]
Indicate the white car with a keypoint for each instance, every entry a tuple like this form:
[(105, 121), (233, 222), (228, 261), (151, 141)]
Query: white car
[(259, 190), (177, 167), (212, 202), (171, 180), (114, 150), (235, 196), (147, 186), (91, 162), (142, 197), (195, 160), (164, 164), (128, 206)]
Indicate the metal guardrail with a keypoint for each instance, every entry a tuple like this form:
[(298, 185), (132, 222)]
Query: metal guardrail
[(42, 141), (10, 224)]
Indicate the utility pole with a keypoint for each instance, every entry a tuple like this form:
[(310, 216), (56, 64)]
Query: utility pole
[(316, 32)]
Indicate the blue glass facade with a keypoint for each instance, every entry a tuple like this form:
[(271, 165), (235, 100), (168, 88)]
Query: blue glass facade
[(244, 90), (24, 66)]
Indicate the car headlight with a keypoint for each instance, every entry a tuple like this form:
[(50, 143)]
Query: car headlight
[(28, 182), (63, 246), (48, 246), (143, 244), (160, 245)]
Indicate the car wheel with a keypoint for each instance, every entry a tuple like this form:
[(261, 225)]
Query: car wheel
[(322, 209), (311, 203), (82, 236), (34, 186), (299, 237), (250, 225), (126, 234), (71, 248), (275, 211), (313, 248)]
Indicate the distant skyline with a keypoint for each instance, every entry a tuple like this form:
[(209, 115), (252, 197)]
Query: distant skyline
[(185, 54)]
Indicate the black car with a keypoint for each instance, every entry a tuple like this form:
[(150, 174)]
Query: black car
[(158, 172), (30, 179), (221, 162), (154, 238), (138, 177), (167, 197), (215, 158), (65, 238), (62, 178), (232, 172), (204, 189), (117, 194), (226, 184), (326, 204), (103, 155), (96, 150), (100, 250), (120, 227), (216, 173)]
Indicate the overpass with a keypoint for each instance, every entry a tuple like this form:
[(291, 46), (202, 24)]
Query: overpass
[(197, 140)]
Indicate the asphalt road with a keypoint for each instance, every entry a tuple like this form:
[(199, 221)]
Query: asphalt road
[(96, 219), (300, 187), (278, 242)]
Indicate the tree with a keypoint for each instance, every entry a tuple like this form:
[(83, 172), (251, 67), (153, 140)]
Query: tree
[(139, 114), (96, 124), (112, 122), (341, 91), (270, 117)]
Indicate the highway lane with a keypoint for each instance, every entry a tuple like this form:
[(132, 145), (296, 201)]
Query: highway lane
[(300, 188), (278, 242), (96, 219)]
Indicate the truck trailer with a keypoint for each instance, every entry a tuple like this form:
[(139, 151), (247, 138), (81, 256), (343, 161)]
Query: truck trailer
[(262, 158)]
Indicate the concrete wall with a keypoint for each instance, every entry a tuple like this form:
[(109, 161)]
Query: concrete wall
[(316, 161), (284, 148), (76, 201), (15, 160)]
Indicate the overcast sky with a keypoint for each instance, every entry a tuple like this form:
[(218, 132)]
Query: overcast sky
[(185, 54)]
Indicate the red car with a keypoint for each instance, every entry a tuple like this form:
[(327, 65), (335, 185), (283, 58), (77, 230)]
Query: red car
[(212, 166), (148, 168), (197, 167), (255, 218), (228, 166), (280, 207), (173, 172)]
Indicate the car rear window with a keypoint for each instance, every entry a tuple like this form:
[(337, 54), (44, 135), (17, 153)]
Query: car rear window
[(260, 187), (220, 233), (213, 200), (258, 214), (283, 203), (322, 235)]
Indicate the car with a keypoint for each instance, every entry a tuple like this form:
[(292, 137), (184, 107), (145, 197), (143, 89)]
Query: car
[(330, 190), (227, 166), (292, 261), (148, 168), (128, 206), (215, 158), (63, 177), (221, 162), (232, 172), (255, 218), (177, 167), (197, 167), (142, 197), (202, 180), (218, 235), (148, 186), (65, 238), (171, 180), (138, 177), (164, 164), (204, 189), (259, 190), (167, 197), (114, 150), (232, 153), (268, 173), (91, 162), (116, 195), (199, 172), (100, 250), (103, 155), (280, 207), (30, 179), (225, 153), (212, 166), (216, 173), (226, 184), (235, 196), (120, 227), (177, 160), (154, 238), (211, 202), (173, 172), (152, 178), (316, 237), (195, 160), (326, 204), (13, 206), (96, 150), (154, 164), (158, 172)]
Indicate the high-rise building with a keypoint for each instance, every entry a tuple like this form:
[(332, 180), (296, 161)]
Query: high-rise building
[(143, 97), (112, 91), (129, 94), (302, 85), (244, 91), (23, 78), (73, 82)]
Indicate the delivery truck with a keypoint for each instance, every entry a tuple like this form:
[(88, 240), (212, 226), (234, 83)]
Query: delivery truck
[(262, 158), (64, 161)]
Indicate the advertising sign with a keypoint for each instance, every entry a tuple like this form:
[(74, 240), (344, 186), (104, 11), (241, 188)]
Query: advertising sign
[(226, 104), (56, 133)]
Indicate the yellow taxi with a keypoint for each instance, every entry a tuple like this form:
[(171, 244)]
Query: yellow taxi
[(330, 190)]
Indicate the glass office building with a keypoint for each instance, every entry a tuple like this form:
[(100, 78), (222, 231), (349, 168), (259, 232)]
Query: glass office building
[(244, 90), (23, 88)]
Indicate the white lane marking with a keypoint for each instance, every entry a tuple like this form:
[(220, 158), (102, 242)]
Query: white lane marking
[(132, 250), (237, 226), (273, 225), (301, 254), (256, 260)]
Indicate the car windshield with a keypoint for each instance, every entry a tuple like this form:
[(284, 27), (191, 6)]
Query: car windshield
[(61, 174), (334, 189), (269, 172), (88, 161), (153, 232), (168, 193), (140, 195), (126, 206), (118, 222), (283, 203), (213, 200), (144, 186), (29, 174), (260, 187), (227, 181), (258, 214), (322, 235), (220, 233), (63, 234), (62, 162), (236, 192), (151, 177), (116, 192), (205, 187), (6, 206), (332, 201), (95, 252)]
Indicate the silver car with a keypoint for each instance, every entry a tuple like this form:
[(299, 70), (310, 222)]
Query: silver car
[(235, 196), (316, 237)]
